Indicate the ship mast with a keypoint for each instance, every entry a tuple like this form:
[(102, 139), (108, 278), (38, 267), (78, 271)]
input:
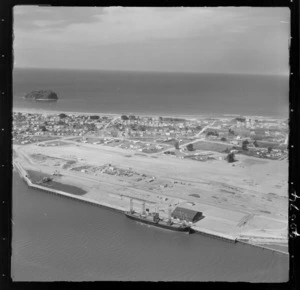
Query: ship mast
[(131, 206), (169, 214)]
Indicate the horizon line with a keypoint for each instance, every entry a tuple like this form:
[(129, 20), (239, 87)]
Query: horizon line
[(154, 71)]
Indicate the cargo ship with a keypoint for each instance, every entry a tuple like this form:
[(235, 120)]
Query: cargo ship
[(153, 219)]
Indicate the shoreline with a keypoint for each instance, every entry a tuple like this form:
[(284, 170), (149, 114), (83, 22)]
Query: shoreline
[(23, 175), (186, 116)]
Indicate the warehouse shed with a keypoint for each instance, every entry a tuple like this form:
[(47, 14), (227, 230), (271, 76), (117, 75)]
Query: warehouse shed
[(187, 214)]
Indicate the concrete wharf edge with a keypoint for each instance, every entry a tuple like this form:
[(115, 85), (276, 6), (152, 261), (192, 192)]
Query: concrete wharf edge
[(204, 232)]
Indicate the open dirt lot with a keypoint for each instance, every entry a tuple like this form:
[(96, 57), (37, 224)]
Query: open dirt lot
[(245, 199)]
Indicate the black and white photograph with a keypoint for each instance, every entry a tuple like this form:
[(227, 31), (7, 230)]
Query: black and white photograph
[(150, 144)]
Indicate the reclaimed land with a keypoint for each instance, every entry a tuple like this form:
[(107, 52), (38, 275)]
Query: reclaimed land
[(246, 202)]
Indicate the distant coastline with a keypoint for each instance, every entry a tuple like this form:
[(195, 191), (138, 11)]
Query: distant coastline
[(191, 116)]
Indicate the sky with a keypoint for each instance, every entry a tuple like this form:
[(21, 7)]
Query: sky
[(245, 40)]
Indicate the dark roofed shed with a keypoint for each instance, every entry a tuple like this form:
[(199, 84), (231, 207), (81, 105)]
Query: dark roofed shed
[(186, 214)]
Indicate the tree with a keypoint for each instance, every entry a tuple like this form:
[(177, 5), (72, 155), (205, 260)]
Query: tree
[(190, 147), (132, 117), (213, 133), (227, 150), (43, 128), (62, 115), (176, 145), (124, 118), (231, 132), (245, 145), (269, 149), (141, 128), (230, 157), (240, 119), (223, 139), (114, 133), (133, 127), (255, 143), (92, 127)]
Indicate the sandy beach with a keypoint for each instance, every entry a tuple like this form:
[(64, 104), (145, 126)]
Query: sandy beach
[(113, 115)]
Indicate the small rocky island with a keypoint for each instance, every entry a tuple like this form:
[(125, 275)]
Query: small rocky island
[(42, 95)]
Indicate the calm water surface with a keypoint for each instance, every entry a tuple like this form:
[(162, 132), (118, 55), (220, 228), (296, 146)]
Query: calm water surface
[(154, 93), (60, 239)]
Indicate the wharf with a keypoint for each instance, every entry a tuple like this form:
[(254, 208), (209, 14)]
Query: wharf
[(212, 234), (196, 229)]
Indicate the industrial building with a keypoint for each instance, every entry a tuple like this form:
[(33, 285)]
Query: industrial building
[(187, 214)]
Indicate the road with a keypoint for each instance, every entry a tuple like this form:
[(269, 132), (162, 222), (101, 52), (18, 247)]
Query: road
[(206, 127), (191, 142)]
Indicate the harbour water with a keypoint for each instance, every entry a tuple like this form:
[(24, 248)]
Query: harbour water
[(58, 239), (154, 93)]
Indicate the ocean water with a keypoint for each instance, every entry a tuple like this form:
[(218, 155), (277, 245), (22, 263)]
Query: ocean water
[(154, 93), (58, 239)]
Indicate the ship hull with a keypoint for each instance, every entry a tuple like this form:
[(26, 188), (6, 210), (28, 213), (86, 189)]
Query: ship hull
[(159, 224)]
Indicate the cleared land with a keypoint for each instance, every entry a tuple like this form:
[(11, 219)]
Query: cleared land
[(246, 200)]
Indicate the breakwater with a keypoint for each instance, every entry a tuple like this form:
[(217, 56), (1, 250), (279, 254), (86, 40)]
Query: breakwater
[(24, 176)]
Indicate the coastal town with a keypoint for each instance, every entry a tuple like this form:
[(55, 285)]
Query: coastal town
[(231, 168), (149, 144), (183, 138)]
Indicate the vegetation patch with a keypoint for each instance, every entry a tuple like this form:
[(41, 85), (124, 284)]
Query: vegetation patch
[(265, 211), (57, 143), (210, 146), (68, 164), (195, 195), (227, 191)]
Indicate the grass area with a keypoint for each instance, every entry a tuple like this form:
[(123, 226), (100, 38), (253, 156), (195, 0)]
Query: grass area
[(266, 144), (57, 143), (83, 167), (174, 140), (32, 139), (145, 139), (169, 142), (195, 195), (254, 154), (209, 146), (68, 164)]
